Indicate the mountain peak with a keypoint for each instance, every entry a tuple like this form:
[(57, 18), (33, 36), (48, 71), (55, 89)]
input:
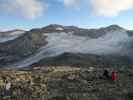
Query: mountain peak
[(114, 27), (53, 26)]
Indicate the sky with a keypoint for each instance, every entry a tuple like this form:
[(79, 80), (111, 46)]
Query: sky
[(28, 14)]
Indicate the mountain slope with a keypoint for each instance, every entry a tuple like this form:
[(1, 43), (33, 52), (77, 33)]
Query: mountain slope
[(85, 61), (54, 40), (23, 46), (10, 35)]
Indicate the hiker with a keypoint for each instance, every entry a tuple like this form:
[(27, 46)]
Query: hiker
[(7, 91), (114, 75), (106, 74)]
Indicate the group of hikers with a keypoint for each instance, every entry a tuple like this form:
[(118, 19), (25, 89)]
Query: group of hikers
[(110, 75)]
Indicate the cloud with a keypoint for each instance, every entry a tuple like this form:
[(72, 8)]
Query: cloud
[(71, 3), (107, 44), (110, 7), (27, 8), (102, 7), (33, 8)]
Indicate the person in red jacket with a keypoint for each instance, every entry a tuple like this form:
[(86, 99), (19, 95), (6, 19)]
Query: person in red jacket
[(114, 75)]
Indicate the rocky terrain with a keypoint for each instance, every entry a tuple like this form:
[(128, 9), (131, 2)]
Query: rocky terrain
[(66, 83)]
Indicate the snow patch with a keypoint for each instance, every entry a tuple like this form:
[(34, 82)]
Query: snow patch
[(59, 29)]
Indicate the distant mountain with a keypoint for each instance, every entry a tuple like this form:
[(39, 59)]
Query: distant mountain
[(57, 28), (92, 33), (95, 33), (22, 46), (49, 43), (10, 35), (12, 32)]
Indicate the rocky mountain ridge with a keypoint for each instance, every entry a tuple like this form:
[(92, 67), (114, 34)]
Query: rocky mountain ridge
[(29, 43)]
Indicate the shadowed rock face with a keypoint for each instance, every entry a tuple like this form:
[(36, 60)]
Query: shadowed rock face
[(85, 60)]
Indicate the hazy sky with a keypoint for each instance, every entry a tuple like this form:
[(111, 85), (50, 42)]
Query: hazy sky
[(28, 14)]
